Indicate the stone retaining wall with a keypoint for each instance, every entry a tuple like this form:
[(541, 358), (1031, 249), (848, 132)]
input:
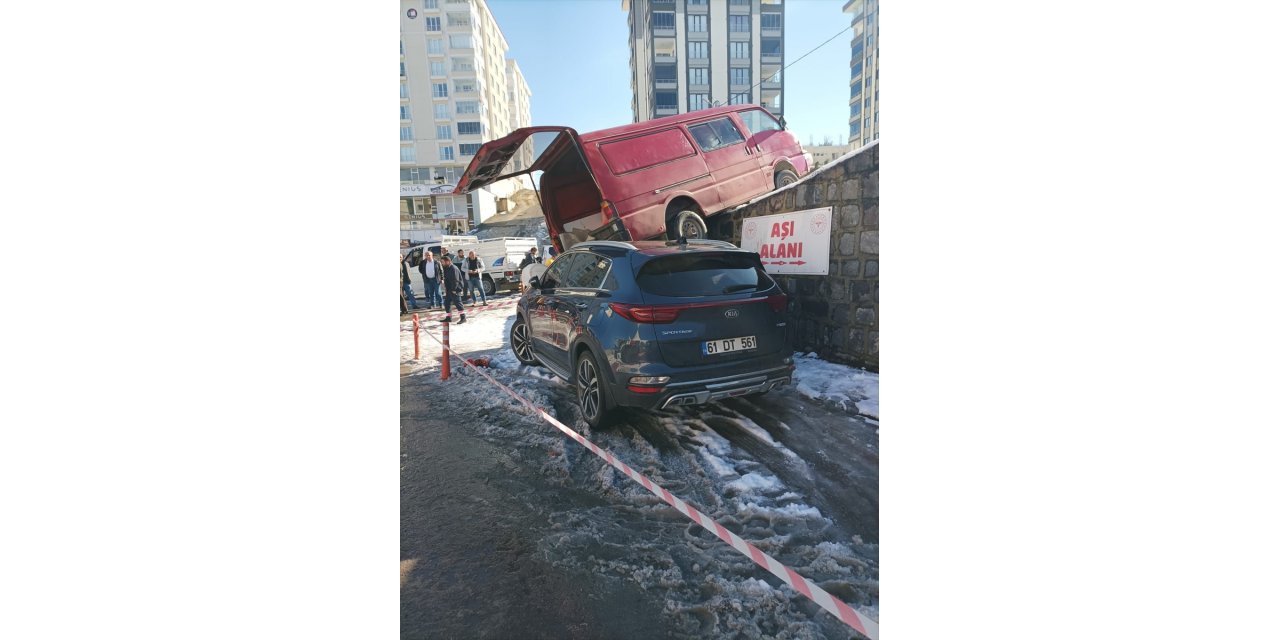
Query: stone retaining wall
[(837, 315)]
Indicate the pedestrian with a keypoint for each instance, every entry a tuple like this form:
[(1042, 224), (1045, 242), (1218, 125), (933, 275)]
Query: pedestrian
[(406, 289), (475, 267), (451, 277), (529, 258), (459, 261), (430, 271)]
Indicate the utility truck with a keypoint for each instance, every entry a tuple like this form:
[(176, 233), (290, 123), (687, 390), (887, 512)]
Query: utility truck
[(501, 257)]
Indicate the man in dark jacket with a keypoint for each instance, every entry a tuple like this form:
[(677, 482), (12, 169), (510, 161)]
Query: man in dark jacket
[(451, 278), (406, 290)]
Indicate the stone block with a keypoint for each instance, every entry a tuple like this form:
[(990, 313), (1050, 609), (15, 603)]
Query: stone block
[(871, 216), (848, 243), (850, 216), (870, 242), (863, 162), (789, 200), (857, 338), (871, 270), (850, 269), (851, 192), (833, 191), (864, 315), (859, 289), (873, 343), (838, 292), (871, 185)]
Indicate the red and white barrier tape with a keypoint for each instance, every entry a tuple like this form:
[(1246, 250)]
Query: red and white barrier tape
[(846, 614)]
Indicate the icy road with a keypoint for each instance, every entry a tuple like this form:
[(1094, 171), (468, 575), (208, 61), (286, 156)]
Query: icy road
[(509, 529)]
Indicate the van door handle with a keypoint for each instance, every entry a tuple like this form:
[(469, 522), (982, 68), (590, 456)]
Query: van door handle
[(748, 150)]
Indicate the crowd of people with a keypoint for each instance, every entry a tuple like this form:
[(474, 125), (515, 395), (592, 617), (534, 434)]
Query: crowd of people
[(449, 281)]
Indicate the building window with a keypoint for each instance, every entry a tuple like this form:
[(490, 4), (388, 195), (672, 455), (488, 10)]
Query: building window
[(740, 50), (457, 1), (771, 21), (437, 69), (664, 1), (855, 109), (664, 20), (430, 4), (468, 128), (408, 154), (460, 41), (440, 90), (696, 3), (855, 70), (459, 20), (740, 24), (433, 24), (740, 2), (468, 149), (402, 47), (406, 133), (740, 75), (404, 112), (699, 101), (463, 64), (464, 86), (716, 134), (698, 23), (444, 132), (770, 46), (404, 90), (664, 72), (442, 111), (435, 46), (666, 99), (855, 90), (740, 98), (446, 153), (697, 49), (401, 69), (698, 75), (856, 51), (468, 106)]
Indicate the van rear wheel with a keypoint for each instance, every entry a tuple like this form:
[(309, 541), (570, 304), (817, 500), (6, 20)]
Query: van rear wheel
[(783, 178), (688, 224)]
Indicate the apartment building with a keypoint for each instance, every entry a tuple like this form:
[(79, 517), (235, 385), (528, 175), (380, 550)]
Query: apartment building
[(864, 72), (693, 54), (455, 93)]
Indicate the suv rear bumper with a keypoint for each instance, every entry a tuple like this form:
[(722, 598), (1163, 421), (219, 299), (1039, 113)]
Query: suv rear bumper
[(709, 389)]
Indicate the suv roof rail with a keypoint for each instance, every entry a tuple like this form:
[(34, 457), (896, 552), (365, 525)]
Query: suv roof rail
[(704, 242), (604, 243)]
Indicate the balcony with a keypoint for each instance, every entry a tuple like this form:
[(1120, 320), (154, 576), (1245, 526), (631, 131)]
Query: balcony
[(665, 111)]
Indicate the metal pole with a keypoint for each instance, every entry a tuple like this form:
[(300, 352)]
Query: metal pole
[(416, 353), (444, 362)]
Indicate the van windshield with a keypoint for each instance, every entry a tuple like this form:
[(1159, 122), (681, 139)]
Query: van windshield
[(703, 274)]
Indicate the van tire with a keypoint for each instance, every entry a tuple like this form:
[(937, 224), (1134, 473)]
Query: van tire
[(690, 223), (784, 177)]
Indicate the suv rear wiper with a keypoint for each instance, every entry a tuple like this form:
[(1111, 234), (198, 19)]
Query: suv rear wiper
[(738, 287)]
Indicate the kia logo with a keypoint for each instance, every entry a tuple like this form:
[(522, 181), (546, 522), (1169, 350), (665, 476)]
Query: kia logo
[(731, 313)]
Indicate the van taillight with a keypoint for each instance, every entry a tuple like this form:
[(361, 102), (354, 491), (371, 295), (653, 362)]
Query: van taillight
[(778, 302), (607, 211), (647, 314)]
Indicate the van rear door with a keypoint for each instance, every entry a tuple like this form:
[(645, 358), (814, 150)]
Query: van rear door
[(515, 154)]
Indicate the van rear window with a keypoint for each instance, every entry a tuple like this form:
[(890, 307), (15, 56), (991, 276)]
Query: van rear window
[(647, 150), (703, 274)]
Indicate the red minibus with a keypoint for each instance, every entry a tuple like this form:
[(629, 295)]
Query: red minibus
[(643, 180)]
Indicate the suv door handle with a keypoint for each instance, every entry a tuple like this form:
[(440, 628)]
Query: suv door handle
[(580, 305)]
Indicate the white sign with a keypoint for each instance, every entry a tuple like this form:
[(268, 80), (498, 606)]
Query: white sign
[(409, 190), (796, 243)]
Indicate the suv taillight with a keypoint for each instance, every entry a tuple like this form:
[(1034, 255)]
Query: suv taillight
[(647, 314), (777, 302)]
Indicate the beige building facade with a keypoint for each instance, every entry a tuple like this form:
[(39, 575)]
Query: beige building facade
[(456, 88), (864, 72)]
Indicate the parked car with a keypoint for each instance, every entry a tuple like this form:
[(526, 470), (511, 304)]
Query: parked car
[(643, 180), (655, 324)]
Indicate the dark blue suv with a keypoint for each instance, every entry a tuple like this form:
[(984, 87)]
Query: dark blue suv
[(655, 324)]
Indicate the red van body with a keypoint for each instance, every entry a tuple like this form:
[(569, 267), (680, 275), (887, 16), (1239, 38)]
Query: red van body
[(639, 181)]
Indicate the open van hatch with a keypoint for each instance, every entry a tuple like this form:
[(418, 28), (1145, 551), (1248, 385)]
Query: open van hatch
[(567, 191)]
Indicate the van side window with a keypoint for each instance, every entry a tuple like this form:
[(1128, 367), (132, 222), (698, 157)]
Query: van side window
[(715, 134), (757, 121)]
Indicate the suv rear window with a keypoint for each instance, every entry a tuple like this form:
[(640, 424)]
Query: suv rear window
[(703, 274)]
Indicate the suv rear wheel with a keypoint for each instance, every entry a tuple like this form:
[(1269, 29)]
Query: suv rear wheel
[(686, 223), (592, 398)]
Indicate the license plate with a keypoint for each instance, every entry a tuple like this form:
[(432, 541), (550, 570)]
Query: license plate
[(727, 345)]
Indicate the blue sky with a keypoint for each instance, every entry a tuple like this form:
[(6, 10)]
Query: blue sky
[(574, 55)]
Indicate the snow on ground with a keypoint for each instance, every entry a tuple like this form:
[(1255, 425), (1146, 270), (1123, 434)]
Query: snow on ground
[(736, 468), (838, 384)]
